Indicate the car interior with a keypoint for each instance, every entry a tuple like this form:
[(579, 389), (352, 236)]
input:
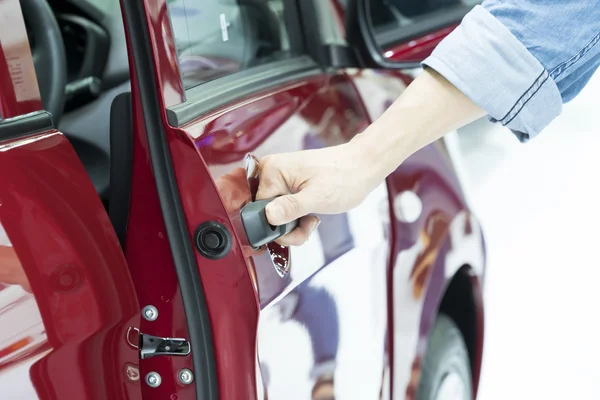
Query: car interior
[(80, 54)]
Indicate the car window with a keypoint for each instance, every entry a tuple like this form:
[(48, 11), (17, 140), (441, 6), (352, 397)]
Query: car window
[(219, 37), (398, 20)]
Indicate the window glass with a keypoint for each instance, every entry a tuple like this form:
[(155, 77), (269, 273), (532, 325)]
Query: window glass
[(218, 37), (392, 14)]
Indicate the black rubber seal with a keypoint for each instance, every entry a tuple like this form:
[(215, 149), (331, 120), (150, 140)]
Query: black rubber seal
[(121, 163), (212, 240), (192, 293), (24, 125)]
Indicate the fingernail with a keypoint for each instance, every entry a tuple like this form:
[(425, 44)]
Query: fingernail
[(275, 213), (315, 224)]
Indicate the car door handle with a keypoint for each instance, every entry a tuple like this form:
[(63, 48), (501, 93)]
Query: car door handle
[(256, 226)]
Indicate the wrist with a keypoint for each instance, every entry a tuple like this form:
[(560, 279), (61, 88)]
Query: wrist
[(373, 161), (379, 152)]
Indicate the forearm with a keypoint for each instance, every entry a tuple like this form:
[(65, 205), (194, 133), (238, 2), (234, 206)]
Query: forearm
[(429, 108)]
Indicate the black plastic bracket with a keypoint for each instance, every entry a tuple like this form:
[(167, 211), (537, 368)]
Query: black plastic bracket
[(257, 228)]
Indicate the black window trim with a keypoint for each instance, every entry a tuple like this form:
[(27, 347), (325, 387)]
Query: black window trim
[(25, 125), (192, 292), (391, 35), (305, 61), (209, 96)]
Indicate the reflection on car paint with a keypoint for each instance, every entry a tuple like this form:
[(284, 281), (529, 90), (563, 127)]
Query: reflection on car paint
[(301, 299), (323, 328), (22, 335), (72, 263)]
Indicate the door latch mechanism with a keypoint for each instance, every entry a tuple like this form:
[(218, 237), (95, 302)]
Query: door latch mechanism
[(154, 346)]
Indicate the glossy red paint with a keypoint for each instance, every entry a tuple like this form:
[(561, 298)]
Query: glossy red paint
[(20, 94), (150, 261), (76, 270), (227, 282), (258, 120), (168, 80), (419, 48)]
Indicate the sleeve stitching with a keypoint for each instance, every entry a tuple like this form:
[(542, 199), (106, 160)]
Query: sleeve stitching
[(523, 95), (562, 67), (525, 103)]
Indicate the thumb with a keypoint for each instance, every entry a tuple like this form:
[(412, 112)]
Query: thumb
[(288, 208)]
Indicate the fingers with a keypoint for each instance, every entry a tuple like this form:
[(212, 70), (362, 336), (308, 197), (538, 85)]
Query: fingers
[(288, 208), (300, 235), (271, 182)]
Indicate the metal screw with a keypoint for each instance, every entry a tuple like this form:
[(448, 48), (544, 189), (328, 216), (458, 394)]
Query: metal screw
[(186, 376), (150, 313), (153, 379)]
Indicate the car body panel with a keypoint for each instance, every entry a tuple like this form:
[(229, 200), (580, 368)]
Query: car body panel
[(281, 342), (151, 266), (424, 252), (70, 298), (347, 255), (354, 312), (419, 48), (76, 272)]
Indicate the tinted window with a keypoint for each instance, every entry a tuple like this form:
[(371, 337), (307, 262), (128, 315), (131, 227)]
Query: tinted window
[(218, 37), (390, 15)]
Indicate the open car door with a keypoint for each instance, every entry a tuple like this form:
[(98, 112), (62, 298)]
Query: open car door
[(67, 299), (217, 82), (213, 82)]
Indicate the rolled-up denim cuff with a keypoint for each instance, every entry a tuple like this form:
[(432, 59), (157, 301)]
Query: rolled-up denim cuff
[(486, 62)]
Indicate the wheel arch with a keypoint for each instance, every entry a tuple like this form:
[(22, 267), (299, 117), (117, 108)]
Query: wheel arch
[(462, 301)]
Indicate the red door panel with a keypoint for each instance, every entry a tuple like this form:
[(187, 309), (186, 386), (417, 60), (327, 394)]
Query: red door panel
[(66, 296), (246, 295), (328, 325), (70, 340), (429, 247), (417, 49)]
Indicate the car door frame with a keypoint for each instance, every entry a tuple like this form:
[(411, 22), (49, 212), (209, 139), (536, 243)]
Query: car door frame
[(158, 98), (56, 223)]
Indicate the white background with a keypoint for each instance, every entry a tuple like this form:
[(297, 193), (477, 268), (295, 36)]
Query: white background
[(539, 205)]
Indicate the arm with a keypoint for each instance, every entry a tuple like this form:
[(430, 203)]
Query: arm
[(335, 179), (515, 61), (428, 109)]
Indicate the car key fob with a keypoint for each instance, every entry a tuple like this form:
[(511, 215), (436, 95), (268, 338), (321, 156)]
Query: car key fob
[(258, 230)]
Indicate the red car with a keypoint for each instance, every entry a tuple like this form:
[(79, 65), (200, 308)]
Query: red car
[(134, 261)]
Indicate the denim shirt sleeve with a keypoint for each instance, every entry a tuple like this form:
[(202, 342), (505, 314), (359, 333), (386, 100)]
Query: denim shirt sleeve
[(520, 60)]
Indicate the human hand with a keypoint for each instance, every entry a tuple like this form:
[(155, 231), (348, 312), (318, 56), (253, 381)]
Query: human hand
[(331, 180), (235, 193)]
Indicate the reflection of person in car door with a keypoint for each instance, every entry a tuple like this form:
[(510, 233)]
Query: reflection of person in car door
[(11, 271), (312, 307), (316, 308)]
